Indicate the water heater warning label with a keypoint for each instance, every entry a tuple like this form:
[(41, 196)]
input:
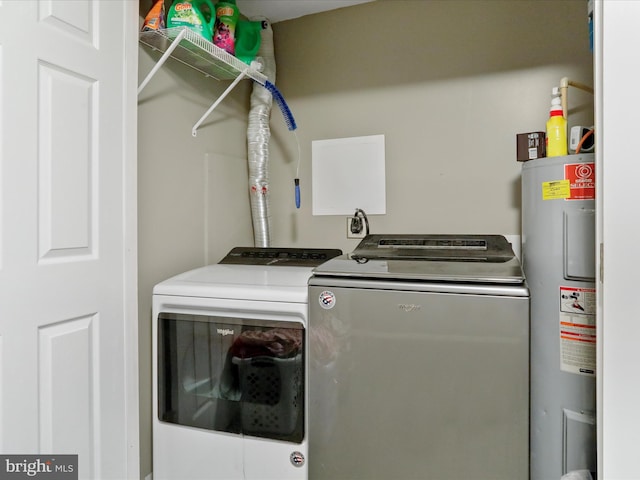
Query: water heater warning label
[(555, 190), (582, 180), (578, 330)]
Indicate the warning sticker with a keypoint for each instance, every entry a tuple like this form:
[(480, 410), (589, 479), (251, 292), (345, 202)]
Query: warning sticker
[(582, 180), (578, 300), (556, 189), (578, 330)]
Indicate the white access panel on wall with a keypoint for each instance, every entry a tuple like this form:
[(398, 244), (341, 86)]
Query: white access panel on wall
[(348, 173)]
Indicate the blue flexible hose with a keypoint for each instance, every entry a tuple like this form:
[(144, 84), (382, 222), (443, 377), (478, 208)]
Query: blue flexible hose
[(284, 108), (291, 125)]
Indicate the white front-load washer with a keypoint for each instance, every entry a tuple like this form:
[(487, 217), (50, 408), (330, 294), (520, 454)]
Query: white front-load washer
[(229, 367)]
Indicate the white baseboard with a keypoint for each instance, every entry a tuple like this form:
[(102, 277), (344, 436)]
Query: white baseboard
[(149, 477)]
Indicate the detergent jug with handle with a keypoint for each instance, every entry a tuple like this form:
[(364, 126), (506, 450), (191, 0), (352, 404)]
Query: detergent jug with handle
[(197, 15), (248, 39)]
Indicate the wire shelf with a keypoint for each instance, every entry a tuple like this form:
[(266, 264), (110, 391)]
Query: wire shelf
[(198, 53)]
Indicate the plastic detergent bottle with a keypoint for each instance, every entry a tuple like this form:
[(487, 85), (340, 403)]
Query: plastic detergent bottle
[(155, 19), (248, 38), (224, 30), (556, 130), (197, 15)]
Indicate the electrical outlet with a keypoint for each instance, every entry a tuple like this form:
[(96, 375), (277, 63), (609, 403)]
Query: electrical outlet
[(360, 234)]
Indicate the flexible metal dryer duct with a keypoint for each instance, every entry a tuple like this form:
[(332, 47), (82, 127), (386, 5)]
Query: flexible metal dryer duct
[(258, 135)]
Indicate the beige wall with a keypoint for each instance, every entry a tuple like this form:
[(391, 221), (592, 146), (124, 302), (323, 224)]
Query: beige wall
[(449, 84)]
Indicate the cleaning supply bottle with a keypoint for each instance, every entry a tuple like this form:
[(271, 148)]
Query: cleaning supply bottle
[(197, 15), (556, 130), (224, 30), (155, 19), (248, 38)]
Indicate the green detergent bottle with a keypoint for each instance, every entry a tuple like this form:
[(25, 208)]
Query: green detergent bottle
[(248, 38), (197, 15)]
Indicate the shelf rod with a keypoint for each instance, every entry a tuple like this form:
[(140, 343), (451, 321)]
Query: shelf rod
[(164, 57), (242, 74)]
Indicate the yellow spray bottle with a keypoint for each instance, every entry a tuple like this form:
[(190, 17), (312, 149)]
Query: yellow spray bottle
[(556, 130)]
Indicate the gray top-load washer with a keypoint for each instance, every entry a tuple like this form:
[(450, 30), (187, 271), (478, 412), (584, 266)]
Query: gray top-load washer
[(419, 360)]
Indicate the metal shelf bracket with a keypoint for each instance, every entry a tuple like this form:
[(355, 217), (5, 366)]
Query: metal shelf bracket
[(201, 55), (194, 130), (163, 59)]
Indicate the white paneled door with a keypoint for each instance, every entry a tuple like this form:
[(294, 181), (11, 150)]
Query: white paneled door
[(68, 381)]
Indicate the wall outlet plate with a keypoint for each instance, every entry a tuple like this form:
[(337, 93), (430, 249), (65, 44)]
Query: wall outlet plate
[(360, 234)]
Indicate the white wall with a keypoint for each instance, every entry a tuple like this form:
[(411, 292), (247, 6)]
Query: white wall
[(449, 84)]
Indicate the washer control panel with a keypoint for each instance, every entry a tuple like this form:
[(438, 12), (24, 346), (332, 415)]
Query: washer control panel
[(292, 257)]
